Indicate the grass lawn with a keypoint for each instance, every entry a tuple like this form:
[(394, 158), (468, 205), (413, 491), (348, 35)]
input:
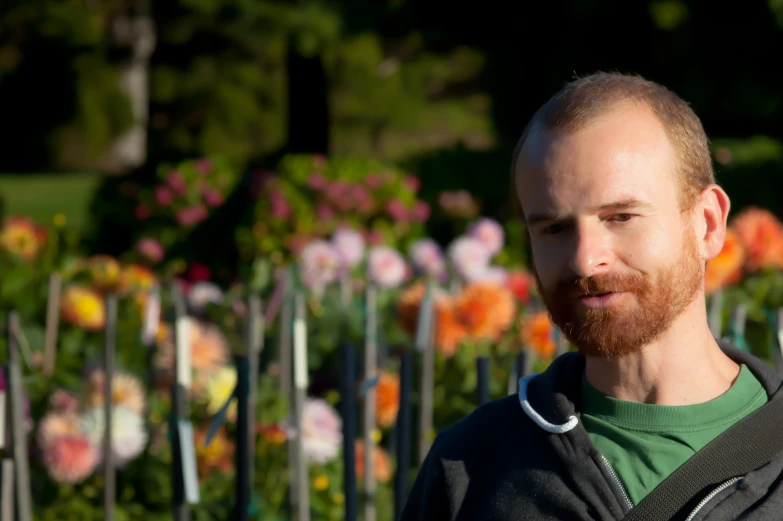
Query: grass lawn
[(42, 196)]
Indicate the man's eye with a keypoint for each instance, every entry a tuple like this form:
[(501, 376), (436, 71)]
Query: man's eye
[(622, 217), (553, 229)]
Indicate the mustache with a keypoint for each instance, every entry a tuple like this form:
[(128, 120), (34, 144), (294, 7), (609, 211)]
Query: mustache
[(604, 283)]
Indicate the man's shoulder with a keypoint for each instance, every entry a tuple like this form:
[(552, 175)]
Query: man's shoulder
[(491, 426)]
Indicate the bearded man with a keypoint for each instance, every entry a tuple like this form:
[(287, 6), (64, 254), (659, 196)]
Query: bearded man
[(615, 183)]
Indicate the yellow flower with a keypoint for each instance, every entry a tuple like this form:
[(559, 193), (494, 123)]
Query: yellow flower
[(218, 388), (338, 498), (83, 307), (321, 482), (59, 220), (137, 280), (376, 435), (23, 237)]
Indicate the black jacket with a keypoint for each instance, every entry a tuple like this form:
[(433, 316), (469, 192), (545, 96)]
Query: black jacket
[(527, 456)]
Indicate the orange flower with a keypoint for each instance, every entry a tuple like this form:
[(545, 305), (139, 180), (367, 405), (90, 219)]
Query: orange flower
[(126, 391), (726, 267), (208, 351), (761, 235), (271, 433), (387, 399), (381, 467), (83, 307), (105, 272), (537, 334), (218, 455), (23, 237), (449, 331), (486, 309)]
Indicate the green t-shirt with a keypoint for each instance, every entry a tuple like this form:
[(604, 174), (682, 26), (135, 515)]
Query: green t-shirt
[(645, 443)]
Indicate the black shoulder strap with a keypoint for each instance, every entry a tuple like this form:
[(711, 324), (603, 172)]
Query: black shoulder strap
[(745, 446)]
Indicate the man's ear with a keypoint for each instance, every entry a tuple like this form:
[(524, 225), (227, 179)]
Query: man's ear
[(713, 215)]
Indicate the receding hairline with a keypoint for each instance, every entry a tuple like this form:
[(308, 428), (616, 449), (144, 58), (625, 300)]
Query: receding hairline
[(587, 100), (537, 127)]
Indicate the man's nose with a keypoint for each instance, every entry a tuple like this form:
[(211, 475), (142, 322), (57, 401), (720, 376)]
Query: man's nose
[(592, 252)]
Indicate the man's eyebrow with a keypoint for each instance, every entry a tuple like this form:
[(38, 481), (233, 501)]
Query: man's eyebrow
[(623, 204)]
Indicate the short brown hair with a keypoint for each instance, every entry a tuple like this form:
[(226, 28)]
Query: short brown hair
[(584, 99)]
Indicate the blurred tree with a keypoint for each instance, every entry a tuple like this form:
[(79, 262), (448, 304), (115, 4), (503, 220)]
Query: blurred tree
[(59, 93)]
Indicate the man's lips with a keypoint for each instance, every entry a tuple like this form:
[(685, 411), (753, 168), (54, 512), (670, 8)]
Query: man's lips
[(596, 300)]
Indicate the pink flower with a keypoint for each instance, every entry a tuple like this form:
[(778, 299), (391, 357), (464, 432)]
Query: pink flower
[(177, 182), (397, 210), (337, 190), (427, 257), (142, 212), (386, 267), (279, 206), (373, 237), (317, 181), (360, 195), (212, 197), (323, 212), (163, 196), (151, 249), (373, 181), (319, 263), (70, 459), (349, 245), (68, 453), (469, 257), (203, 166), (421, 212), (489, 232), (412, 183), (191, 215)]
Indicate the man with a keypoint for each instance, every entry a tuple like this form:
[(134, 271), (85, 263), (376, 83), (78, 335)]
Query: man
[(616, 186)]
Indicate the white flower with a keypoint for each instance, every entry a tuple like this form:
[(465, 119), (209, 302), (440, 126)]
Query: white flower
[(349, 245), (470, 257), (386, 267), (319, 265), (427, 257), (128, 434), (203, 293), (489, 232), (322, 433)]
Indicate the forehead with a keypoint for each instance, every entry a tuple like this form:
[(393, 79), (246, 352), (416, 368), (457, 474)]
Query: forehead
[(624, 154)]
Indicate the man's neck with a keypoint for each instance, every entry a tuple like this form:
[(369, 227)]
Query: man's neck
[(684, 366)]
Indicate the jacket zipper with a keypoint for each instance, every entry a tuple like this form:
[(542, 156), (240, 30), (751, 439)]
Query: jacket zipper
[(711, 495), (616, 479)]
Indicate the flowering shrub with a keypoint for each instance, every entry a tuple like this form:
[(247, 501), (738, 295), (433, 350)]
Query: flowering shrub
[(311, 196)]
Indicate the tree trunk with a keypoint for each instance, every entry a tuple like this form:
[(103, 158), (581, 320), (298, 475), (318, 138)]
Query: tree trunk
[(134, 30), (308, 105)]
